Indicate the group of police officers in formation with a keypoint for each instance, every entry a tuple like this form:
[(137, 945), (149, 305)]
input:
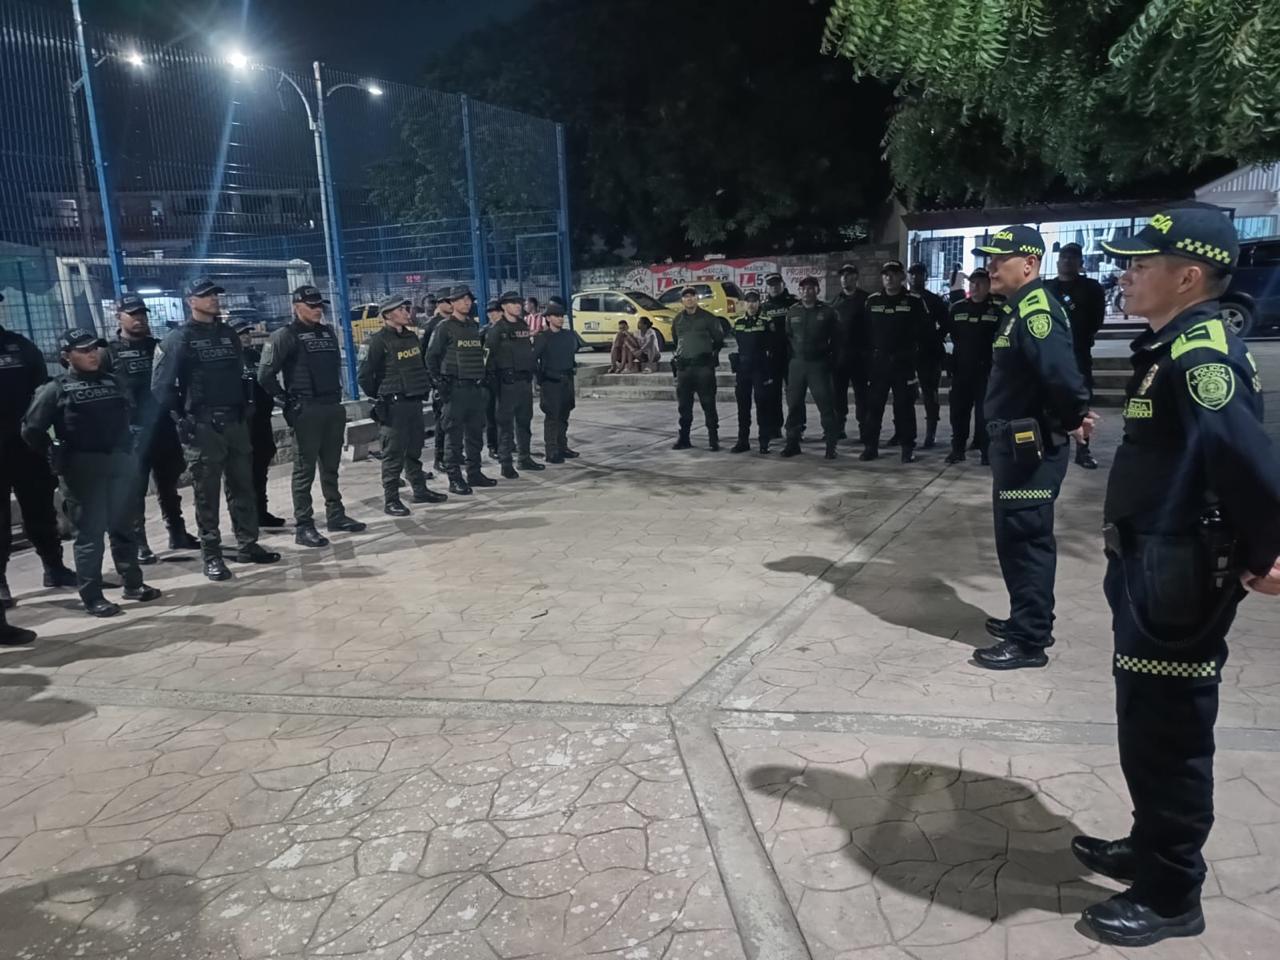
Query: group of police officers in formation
[(870, 345), (136, 408), (1192, 509)]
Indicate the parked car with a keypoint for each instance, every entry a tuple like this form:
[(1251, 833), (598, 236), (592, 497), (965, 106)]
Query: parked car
[(1251, 304), (596, 314), (365, 320), (717, 296)]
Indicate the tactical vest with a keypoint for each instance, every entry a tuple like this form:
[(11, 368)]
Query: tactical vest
[(133, 362), (405, 371), (695, 334), (891, 323), (94, 415), (212, 369), (314, 370), (464, 350), (513, 348), (810, 332), (973, 328)]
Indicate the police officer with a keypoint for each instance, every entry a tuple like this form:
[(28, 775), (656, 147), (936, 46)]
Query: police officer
[(699, 337), (510, 350), (493, 315), (443, 310), (198, 377), (753, 374), (554, 355), (262, 435), (394, 374), (23, 472), (456, 361), (1086, 304), (89, 413), (849, 370), (1035, 397), (159, 454), (1192, 512), (930, 352), (893, 320), (972, 328), (306, 352), (778, 300), (811, 345)]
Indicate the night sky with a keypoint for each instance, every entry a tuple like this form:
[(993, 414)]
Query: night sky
[(384, 38)]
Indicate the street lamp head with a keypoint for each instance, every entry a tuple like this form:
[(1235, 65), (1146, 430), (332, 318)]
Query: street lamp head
[(237, 60), (134, 59), (373, 89)]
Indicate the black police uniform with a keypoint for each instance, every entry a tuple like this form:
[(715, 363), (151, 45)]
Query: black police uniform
[(91, 418), (930, 356), (774, 310), (491, 430), (893, 326), (972, 328), (394, 374), (510, 349), (555, 360), (437, 403), (699, 337), (456, 361), (1086, 304), (198, 376), (850, 368), (753, 378), (262, 435), (309, 358), (1195, 469), (159, 453), (23, 472), (811, 346), (1034, 382)]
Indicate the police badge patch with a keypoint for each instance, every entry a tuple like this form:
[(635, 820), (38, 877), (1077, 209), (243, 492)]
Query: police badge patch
[(1212, 385), (1040, 325)]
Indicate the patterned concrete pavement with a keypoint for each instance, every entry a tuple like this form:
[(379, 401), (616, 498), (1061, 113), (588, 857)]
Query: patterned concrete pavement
[(647, 705)]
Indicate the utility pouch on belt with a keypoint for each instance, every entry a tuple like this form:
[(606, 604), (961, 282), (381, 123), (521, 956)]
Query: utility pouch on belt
[(58, 458), (1026, 442)]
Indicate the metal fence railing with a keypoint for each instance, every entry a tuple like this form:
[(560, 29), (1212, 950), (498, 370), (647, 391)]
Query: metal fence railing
[(126, 165)]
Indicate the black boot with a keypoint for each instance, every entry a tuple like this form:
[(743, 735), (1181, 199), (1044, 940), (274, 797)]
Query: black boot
[(764, 446), (682, 443), (957, 453), (255, 553), (1124, 922), (713, 438), (458, 486), (6, 595), (930, 435), (179, 539), (1084, 458), (344, 524), (831, 450), (146, 556), (743, 444), (1111, 858), (570, 454), (215, 568), (477, 479), (869, 452), (554, 456), (143, 593), (270, 521), (509, 472), (57, 575), (308, 536), (100, 606), (423, 494), (528, 463), (394, 507), (908, 453), (11, 636), (1010, 655), (792, 448)]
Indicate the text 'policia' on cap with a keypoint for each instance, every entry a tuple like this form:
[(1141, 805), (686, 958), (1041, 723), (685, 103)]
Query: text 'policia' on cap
[(1195, 233), (1018, 240)]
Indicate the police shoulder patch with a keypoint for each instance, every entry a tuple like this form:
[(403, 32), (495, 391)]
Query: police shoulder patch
[(1039, 325), (1212, 385)]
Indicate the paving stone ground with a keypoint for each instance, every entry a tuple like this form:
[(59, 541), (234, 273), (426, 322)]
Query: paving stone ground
[(647, 706)]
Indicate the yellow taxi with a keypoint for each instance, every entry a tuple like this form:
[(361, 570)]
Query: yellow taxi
[(720, 297), (596, 314), (365, 320)]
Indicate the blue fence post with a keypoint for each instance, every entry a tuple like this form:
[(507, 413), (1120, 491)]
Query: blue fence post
[(566, 265), (339, 279), (478, 266), (115, 255)]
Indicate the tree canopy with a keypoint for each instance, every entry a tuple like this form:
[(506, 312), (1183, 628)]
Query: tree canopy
[(691, 127), (1000, 99)]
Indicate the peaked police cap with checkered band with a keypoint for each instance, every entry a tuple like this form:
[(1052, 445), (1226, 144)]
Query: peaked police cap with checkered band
[(1018, 240), (1205, 234)]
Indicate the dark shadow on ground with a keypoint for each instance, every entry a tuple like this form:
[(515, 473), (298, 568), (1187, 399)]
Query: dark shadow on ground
[(924, 602), (984, 846), (16, 705), (126, 639)]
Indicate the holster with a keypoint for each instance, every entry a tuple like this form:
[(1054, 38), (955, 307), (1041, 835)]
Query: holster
[(292, 409), (1026, 441), (58, 458)]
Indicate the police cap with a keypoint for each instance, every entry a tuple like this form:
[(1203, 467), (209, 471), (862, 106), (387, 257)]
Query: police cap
[(444, 295), (202, 287), (809, 282), (391, 303), (980, 273), (1018, 241), (81, 339), (848, 268), (752, 296), (687, 291), (511, 296), (1203, 234), (460, 291), (131, 303), (555, 308), (773, 278), (493, 306), (309, 295), (241, 324), (892, 266), (918, 267), (1071, 248)]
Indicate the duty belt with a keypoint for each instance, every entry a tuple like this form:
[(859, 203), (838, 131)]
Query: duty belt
[(404, 397), (222, 414), (468, 381)]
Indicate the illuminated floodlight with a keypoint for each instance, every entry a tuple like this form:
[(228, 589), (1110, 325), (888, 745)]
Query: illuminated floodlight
[(134, 59), (237, 60), (373, 88)]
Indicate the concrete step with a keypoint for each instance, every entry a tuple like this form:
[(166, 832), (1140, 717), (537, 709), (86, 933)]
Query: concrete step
[(1103, 396)]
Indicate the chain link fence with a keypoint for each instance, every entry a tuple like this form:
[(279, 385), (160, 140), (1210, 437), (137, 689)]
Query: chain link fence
[(132, 166)]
